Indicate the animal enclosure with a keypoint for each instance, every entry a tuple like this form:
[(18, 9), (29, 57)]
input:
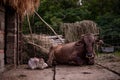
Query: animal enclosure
[(68, 32)]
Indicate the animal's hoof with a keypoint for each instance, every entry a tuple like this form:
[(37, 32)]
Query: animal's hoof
[(91, 63), (49, 65)]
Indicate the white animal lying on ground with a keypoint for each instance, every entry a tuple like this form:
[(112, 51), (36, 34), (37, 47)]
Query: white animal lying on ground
[(34, 63)]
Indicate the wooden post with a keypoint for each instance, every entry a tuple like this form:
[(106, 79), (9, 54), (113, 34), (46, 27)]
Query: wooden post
[(18, 22), (11, 36)]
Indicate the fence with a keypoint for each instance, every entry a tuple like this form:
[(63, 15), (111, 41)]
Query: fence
[(112, 40)]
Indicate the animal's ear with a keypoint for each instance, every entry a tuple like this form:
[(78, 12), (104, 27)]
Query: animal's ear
[(80, 41), (82, 35), (82, 38), (99, 42), (97, 34)]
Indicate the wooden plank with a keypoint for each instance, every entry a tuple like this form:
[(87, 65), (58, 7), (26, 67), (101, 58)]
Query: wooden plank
[(1, 61), (2, 26)]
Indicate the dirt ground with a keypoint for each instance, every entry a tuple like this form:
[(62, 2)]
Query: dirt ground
[(109, 60), (67, 72)]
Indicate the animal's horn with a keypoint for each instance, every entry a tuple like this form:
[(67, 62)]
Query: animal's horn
[(96, 34), (82, 35)]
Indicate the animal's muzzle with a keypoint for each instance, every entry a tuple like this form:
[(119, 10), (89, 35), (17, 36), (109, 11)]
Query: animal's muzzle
[(89, 55), (90, 58)]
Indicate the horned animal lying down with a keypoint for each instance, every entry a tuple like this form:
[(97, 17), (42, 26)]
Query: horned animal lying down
[(78, 53)]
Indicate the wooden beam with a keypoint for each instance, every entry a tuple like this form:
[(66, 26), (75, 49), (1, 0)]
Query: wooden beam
[(42, 49), (49, 26)]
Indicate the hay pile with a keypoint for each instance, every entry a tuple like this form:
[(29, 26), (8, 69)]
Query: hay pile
[(73, 31), (22, 6), (39, 46), (41, 40)]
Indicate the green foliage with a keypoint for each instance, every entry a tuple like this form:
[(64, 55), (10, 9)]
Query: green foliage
[(25, 28), (105, 12), (55, 12), (110, 28)]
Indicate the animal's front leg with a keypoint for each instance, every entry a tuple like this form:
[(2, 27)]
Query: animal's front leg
[(79, 61), (76, 60), (50, 59)]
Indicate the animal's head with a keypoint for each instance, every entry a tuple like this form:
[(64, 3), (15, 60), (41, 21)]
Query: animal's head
[(89, 41)]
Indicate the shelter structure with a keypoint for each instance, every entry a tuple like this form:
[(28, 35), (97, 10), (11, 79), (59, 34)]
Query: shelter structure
[(12, 13)]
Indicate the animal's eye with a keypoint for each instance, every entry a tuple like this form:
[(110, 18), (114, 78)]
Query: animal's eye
[(93, 44)]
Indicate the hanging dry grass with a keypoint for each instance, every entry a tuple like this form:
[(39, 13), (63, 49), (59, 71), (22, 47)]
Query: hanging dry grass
[(73, 31), (22, 7)]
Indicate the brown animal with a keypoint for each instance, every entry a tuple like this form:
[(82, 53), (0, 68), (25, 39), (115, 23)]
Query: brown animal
[(78, 53)]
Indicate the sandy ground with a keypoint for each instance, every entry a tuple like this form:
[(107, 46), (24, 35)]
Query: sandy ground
[(66, 72)]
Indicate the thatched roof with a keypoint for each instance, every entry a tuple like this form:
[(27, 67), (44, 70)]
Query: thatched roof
[(22, 6)]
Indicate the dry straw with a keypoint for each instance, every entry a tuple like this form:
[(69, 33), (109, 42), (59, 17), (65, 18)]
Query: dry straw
[(41, 40), (73, 31), (22, 6)]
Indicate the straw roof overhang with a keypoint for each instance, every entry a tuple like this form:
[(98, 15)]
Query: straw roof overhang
[(22, 7)]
